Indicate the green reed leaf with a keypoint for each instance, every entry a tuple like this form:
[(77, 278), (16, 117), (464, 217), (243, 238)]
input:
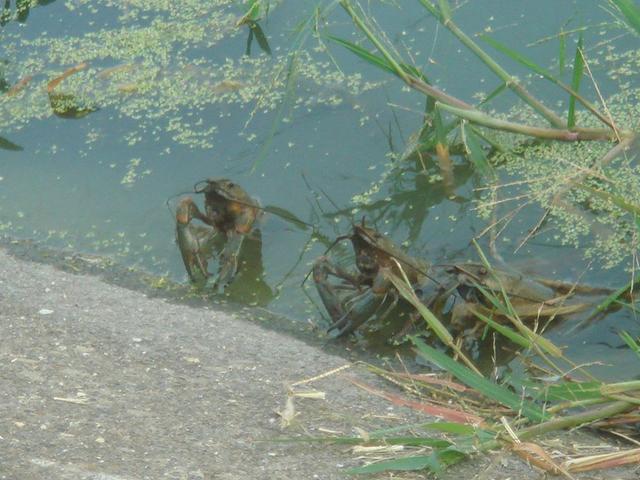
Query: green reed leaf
[(487, 388), (366, 55), (578, 69), (631, 12)]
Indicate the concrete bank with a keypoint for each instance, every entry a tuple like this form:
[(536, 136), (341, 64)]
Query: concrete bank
[(100, 382)]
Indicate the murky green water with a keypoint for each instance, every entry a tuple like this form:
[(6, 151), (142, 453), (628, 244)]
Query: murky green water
[(178, 99)]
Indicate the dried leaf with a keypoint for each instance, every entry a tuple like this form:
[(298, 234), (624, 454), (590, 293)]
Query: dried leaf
[(604, 461), (535, 455), (434, 410), (313, 394), (288, 413)]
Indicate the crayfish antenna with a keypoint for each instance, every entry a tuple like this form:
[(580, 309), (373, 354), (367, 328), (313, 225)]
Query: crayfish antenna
[(335, 242)]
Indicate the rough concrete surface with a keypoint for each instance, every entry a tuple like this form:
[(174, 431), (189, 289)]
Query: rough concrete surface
[(102, 383)]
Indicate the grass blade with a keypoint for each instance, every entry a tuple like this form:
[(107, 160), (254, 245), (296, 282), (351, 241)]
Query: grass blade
[(617, 200), (375, 40), (503, 330), (631, 13), (290, 89), (252, 14), (433, 10), (302, 31), (568, 391), (489, 389), (498, 90), (384, 62), (263, 43), (405, 290), (525, 331), (9, 145), (366, 55), (451, 427), (435, 462), (562, 52), (607, 302), (474, 151), (578, 68), (408, 294), (633, 344), (287, 216), (408, 441), (521, 59), (445, 10), (531, 65)]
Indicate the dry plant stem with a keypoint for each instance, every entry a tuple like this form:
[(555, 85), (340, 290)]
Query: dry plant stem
[(620, 387), (67, 73), (595, 86), (603, 461), (569, 421), (577, 419)]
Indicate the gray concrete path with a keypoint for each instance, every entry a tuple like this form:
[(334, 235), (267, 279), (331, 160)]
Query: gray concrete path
[(102, 383)]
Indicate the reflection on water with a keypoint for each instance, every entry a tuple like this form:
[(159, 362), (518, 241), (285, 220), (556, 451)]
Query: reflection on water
[(255, 31), (20, 10), (249, 286), (67, 105)]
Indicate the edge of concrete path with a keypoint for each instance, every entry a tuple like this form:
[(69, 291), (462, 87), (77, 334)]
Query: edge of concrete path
[(101, 382)]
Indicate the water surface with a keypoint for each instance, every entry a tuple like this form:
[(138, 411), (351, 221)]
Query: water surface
[(179, 97)]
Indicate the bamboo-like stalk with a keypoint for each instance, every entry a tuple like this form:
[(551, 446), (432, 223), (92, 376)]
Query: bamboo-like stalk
[(563, 135), (567, 421), (436, 93), (575, 420), (576, 403), (620, 387)]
